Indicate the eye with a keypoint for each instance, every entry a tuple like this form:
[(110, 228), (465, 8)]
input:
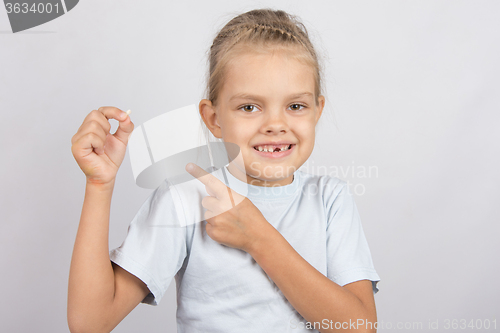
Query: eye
[(248, 108), (296, 107)]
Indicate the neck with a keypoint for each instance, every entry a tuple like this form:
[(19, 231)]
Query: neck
[(237, 172)]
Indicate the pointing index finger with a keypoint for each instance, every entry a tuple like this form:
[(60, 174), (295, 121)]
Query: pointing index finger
[(210, 181), (206, 178)]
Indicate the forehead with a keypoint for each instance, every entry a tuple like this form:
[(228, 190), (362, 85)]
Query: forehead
[(276, 72)]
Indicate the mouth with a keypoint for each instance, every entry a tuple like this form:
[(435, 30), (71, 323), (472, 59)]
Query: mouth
[(274, 151)]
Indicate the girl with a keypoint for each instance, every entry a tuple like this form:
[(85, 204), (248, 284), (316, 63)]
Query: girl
[(290, 256)]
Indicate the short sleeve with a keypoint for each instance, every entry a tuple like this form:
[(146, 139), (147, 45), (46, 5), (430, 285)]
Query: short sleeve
[(155, 246), (348, 255)]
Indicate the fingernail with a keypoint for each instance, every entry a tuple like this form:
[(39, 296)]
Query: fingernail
[(190, 167)]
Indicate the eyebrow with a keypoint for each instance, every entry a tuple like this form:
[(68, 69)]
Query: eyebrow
[(258, 98)]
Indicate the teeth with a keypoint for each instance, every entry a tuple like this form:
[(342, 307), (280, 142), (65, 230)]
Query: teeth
[(271, 148)]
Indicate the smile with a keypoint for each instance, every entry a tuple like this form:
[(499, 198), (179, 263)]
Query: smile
[(274, 151)]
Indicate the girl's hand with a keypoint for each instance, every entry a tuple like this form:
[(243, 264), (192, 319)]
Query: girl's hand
[(232, 219), (99, 153)]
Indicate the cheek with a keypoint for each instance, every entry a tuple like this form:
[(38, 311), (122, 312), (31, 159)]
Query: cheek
[(307, 131), (236, 131)]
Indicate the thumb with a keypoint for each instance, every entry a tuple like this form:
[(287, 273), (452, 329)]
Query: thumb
[(125, 127)]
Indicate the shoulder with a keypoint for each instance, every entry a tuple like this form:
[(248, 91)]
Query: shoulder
[(162, 195), (324, 185), (171, 204), (332, 191)]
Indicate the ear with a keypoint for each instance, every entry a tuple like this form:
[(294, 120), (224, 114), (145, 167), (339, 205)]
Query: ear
[(209, 116), (320, 106)]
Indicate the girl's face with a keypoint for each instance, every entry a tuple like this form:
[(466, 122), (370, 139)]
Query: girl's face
[(266, 99)]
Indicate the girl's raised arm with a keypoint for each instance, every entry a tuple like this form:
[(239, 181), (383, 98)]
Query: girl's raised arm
[(100, 294)]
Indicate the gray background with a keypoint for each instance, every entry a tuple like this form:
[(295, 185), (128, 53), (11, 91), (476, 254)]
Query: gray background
[(412, 89)]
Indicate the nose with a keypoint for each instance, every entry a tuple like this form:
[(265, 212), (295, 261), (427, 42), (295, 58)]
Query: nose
[(275, 122)]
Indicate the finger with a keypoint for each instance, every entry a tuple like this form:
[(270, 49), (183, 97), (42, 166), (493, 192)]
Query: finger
[(111, 112), (208, 226), (96, 118), (210, 192), (93, 126), (210, 203), (210, 181), (89, 143), (209, 217), (125, 125), (213, 185), (125, 128)]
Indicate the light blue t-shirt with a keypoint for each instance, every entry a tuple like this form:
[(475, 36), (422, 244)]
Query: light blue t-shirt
[(222, 289)]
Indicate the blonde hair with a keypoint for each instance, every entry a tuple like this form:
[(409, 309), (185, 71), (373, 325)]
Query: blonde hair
[(260, 27)]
